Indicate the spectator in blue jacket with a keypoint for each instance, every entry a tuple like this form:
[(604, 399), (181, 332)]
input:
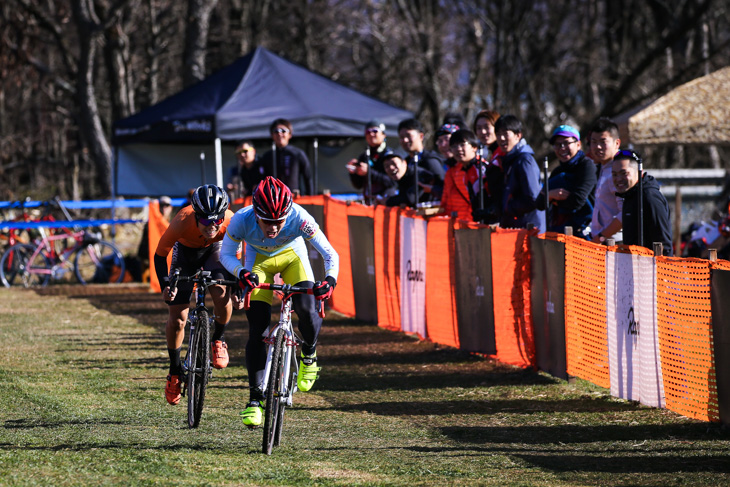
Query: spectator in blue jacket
[(521, 177), (570, 186)]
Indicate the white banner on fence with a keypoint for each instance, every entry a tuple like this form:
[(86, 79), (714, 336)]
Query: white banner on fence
[(633, 342), (413, 275)]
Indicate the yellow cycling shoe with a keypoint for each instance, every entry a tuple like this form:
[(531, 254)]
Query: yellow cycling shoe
[(308, 372), (253, 415)]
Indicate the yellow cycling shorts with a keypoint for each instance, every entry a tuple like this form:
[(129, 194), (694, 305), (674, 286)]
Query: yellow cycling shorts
[(292, 268)]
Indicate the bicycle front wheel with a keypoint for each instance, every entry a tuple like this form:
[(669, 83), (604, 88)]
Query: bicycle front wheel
[(291, 381), (199, 367), (273, 394), (99, 262), (19, 266)]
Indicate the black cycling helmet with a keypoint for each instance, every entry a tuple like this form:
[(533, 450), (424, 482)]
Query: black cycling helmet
[(209, 201), (272, 199)]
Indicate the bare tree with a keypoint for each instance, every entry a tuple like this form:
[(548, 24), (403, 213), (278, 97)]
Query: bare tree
[(196, 38)]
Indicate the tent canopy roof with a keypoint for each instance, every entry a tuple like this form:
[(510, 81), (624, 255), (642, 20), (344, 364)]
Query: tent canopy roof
[(696, 112), (242, 99)]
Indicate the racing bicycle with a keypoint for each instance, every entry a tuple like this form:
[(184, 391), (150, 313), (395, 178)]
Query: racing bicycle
[(51, 257), (197, 367), (282, 367)]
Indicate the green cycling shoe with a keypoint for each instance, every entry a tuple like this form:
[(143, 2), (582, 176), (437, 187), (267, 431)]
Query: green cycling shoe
[(253, 415), (308, 372)]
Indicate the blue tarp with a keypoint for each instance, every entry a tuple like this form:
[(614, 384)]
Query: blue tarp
[(63, 224)]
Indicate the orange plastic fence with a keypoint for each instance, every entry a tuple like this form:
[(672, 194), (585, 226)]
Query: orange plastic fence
[(441, 320), (511, 289), (586, 335), (684, 320), (156, 226), (337, 231), (387, 266)]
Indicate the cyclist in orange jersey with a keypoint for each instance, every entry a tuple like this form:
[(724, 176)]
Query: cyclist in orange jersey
[(194, 237)]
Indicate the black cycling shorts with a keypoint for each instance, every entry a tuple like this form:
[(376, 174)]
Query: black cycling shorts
[(189, 260)]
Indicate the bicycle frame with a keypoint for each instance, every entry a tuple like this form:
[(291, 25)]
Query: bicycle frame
[(292, 341), (57, 259)]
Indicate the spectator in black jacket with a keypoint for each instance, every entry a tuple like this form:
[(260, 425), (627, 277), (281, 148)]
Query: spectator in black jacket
[(411, 136), (656, 222), (292, 164), (244, 176), (381, 183), (571, 185), (402, 173)]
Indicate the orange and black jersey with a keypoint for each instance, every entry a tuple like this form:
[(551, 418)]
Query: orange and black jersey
[(195, 247), (184, 229)]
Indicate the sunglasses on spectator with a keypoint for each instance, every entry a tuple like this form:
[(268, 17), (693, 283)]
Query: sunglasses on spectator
[(372, 130), (563, 145), (282, 130), (206, 222)]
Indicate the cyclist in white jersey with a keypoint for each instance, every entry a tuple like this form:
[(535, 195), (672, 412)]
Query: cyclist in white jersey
[(274, 229)]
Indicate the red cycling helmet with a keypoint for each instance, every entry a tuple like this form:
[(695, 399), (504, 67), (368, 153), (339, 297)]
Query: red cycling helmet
[(272, 199)]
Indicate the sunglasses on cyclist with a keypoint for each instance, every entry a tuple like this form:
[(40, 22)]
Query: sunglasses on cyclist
[(206, 222), (243, 151), (282, 130), (372, 130)]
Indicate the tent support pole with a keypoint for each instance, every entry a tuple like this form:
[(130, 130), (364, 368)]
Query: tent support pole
[(315, 188), (218, 163), (115, 165)]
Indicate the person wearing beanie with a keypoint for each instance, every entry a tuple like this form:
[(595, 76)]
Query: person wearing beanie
[(570, 185)]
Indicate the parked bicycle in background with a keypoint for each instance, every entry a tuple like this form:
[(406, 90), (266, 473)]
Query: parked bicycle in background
[(55, 253)]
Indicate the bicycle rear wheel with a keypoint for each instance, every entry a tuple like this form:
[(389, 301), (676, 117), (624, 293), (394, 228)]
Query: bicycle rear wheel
[(199, 368), (99, 262), (16, 266), (273, 394)]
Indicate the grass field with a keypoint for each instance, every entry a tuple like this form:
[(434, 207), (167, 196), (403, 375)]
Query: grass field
[(81, 403)]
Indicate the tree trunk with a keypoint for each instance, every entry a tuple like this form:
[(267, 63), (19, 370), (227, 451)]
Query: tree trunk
[(92, 132), (196, 39)]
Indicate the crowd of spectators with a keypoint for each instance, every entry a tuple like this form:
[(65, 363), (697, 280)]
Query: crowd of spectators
[(487, 172)]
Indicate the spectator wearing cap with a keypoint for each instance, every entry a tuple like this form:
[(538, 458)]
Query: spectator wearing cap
[(244, 176), (443, 134), (411, 134), (286, 162), (371, 160), (570, 185), (656, 223), (521, 177)]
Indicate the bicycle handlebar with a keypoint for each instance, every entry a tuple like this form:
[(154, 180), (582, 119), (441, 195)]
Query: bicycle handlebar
[(200, 277), (288, 290)]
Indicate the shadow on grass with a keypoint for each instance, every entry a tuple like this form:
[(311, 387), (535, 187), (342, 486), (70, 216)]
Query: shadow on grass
[(628, 464), (433, 378), (570, 434), (517, 406)]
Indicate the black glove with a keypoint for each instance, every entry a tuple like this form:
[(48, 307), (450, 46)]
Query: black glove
[(323, 289), (247, 279)]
